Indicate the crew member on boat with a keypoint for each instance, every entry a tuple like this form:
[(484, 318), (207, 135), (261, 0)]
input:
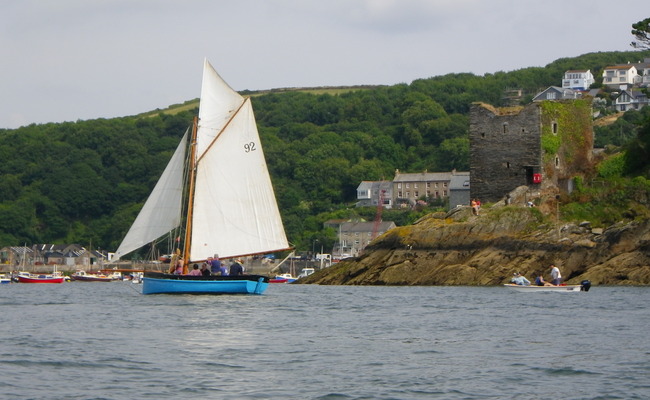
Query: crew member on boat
[(236, 267), (556, 277), (175, 261), (215, 265), (195, 270), (519, 279), (539, 281), (205, 270)]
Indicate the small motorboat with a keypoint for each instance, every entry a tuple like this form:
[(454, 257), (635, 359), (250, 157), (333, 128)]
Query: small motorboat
[(283, 278), (4, 279), (584, 286), (81, 275), (306, 272)]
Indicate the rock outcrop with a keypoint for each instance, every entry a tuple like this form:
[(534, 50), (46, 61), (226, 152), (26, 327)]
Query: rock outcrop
[(459, 248)]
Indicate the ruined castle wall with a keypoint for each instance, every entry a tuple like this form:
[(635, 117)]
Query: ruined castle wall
[(505, 149)]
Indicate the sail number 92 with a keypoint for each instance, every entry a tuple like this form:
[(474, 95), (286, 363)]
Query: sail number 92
[(248, 147)]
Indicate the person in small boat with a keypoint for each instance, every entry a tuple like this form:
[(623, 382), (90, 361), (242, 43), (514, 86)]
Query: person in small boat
[(179, 268), (224, 270), (236, 268), (215, 265), (519, 279), (539, 281), (556, 277), (205, 270), (195, 270)]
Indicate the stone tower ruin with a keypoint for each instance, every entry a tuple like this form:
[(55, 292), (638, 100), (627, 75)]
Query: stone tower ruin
[(540, 145)]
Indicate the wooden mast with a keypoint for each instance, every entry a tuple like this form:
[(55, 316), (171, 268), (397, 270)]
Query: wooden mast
[(190, 199)]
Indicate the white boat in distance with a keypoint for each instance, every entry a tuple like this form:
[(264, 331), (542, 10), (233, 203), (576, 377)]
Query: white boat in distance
[(228, 200), (582, 287)]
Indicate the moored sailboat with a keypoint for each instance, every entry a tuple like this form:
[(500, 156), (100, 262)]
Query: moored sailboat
[(224, 196)]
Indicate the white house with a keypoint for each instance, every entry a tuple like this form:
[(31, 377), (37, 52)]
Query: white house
[(621, 76), (577, 79)]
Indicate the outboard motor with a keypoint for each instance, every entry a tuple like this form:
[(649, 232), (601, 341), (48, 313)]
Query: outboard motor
[(585, 285)]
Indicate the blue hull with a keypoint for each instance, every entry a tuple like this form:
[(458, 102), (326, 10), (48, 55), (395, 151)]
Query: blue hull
[(174, 284)]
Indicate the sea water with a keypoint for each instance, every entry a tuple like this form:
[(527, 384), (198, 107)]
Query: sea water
[(96, 340)]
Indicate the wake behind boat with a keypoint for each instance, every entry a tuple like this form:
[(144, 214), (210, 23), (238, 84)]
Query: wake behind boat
[(218, 184)]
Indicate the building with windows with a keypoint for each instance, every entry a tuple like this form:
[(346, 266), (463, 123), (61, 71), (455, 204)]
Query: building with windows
[(577, 80), (459, 190), (621, 76), (354, 236), (630, 99), (408, 188), (557, 93), (371, 193)]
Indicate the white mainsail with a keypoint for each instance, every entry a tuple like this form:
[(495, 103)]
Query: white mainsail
[(162, 211), (235, 211)]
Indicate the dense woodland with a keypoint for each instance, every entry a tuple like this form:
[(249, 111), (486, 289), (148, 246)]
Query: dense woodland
[(84, 182)]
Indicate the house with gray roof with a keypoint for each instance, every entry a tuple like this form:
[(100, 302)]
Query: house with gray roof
[(409, 187), (630, 99), (354, 236), (459, 190), (370, 193), (557, 93)]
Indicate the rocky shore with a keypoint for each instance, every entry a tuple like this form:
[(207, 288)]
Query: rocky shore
[(458, 248)]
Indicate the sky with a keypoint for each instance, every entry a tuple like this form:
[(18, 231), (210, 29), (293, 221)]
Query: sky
[(69, 60)]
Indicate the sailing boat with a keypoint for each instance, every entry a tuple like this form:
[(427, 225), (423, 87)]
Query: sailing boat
[(227, 200)]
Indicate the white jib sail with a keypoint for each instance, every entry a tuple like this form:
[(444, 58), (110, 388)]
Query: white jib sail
[(235, 211), (162, 211)]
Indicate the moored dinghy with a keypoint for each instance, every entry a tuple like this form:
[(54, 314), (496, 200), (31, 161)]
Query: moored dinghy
[(231, 208)]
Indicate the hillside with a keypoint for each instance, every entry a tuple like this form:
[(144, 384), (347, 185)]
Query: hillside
[(84, 182)]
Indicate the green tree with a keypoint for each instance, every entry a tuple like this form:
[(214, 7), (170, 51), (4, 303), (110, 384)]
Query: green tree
[(641, 31), (454, 154), (638, 151)]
